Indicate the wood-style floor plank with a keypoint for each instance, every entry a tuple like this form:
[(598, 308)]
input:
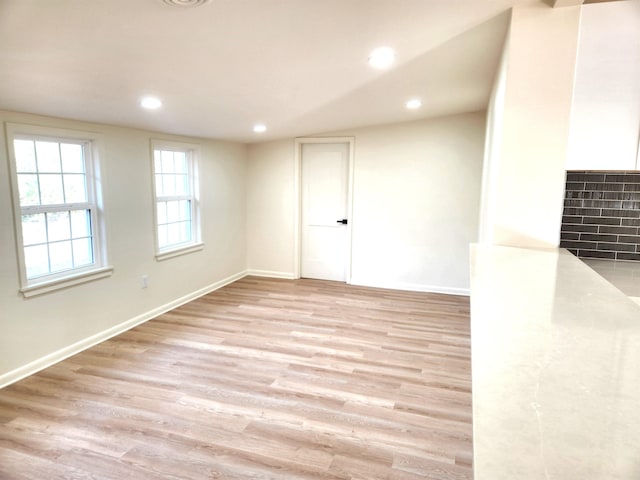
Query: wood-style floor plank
[(262, 379)]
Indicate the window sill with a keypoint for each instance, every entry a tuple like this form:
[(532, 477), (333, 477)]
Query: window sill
[(160, 256), (65, 282)]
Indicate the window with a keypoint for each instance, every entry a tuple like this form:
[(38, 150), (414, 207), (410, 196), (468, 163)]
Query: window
[(57, 214), (176, 198)]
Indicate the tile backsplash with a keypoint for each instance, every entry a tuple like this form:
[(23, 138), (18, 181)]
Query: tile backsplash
[(601, 217)]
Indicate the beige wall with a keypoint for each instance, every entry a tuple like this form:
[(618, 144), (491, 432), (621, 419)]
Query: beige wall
[(493, 150), (524, 180), (416, 191), (271, 209), (45, 328)]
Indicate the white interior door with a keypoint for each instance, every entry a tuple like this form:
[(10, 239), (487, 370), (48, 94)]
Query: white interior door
[(325, 176)]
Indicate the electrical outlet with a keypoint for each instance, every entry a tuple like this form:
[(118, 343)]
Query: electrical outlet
[(144, 281)]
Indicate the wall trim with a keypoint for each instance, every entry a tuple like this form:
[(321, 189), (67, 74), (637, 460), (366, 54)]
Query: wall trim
[(77, 347), (271, 274), (411, 287)]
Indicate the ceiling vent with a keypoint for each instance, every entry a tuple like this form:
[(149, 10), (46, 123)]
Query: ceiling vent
[(185, 3)]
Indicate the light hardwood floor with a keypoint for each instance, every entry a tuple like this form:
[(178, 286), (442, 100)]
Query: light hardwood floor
[(262, 379)]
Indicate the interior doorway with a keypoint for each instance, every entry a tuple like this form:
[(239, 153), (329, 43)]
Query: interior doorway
[(325, 168)]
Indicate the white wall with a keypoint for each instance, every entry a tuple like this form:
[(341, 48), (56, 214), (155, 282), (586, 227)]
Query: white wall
[(416, 195), (42, 329), (524, 197), (605, 121)]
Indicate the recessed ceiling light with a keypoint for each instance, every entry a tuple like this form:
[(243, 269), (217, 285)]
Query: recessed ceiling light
[(185, 3), (413, 104), (150, 103), (382, 57), (259, 128)]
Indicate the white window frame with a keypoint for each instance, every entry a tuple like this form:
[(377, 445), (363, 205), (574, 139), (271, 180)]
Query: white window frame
[(192, 153), (91, 144)]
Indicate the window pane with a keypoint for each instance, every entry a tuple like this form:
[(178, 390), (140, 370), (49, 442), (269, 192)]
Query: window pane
[(82, 252), (56, 204), (80, 223), (72, 160), (74, 188), (159, 189), (48, 155), (185, 231), (162, 212), (173, 211), (167, 162), (180, 159), (60, 255), (162, 236), (28, 188), (185, 210), (36, 260), (25, 155), (51, 189), (168, 185), (182, 184), (174, 187), (173, 233), (34, 229), (58, 226)]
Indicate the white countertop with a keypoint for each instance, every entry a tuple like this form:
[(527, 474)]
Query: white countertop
[(556, 369)]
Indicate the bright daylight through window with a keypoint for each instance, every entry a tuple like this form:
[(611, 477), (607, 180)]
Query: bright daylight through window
[(57, 212), (175, 175)]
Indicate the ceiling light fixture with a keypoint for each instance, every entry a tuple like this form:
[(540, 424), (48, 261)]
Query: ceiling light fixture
[(150, 103), (185, 3), (259, 128), (382, 57), (413, 104)]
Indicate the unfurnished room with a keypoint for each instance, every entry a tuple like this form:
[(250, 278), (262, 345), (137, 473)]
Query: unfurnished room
[(320, 239)]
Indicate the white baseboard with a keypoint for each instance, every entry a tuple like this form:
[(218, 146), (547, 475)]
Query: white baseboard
[(411, 287), (66, 352), (271, 274)]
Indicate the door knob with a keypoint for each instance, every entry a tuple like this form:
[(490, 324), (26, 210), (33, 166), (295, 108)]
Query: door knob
[(344, 221)]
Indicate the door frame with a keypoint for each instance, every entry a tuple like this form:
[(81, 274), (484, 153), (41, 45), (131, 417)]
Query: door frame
[(297, 230)]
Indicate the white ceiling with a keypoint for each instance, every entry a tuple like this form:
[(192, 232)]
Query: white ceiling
[(299, 66)]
